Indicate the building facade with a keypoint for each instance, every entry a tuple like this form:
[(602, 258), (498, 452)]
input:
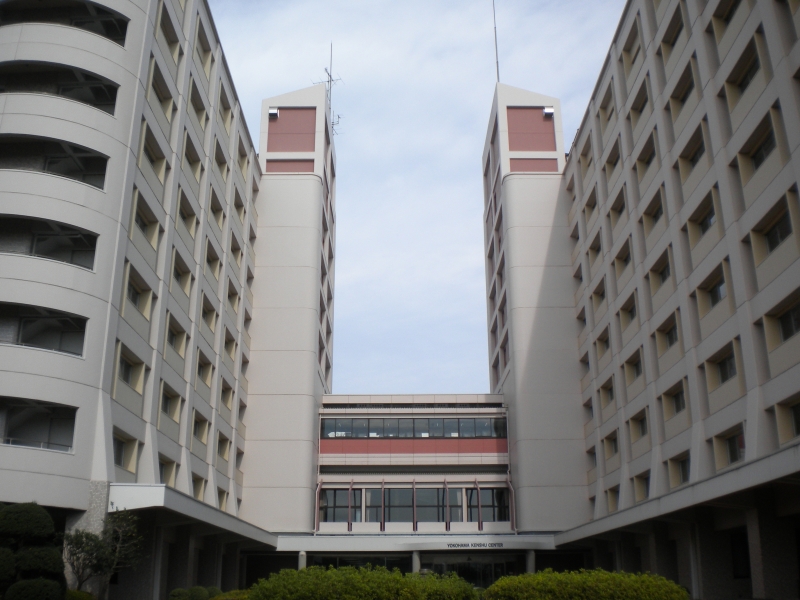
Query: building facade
[(167, 303)]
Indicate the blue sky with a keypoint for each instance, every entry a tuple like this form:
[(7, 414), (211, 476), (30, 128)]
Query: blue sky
[(417, 84)]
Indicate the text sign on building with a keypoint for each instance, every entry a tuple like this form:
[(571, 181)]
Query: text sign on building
[(472, 545)]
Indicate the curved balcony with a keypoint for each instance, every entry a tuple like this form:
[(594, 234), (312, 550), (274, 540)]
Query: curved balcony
[(56, 157), (43, 328), (59, 80), (47, 239), (35, 424), (72, 13)]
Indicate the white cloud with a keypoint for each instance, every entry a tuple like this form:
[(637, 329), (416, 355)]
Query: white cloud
[(418, 78)]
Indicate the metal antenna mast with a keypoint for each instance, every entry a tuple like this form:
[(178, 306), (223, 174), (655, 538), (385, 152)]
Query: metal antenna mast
[(496, 54)]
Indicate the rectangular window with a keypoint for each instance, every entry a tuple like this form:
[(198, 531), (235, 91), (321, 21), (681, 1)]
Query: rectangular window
[(671, 336), (764, 149), (493, 505), (119, 452), (451, 428), (683, 471), (421, 428), (125, 370), (333, 506), (375, 427), (708, 220), (790, 322), (390, 428), (796, 419), (398, 505), (410, 428), (360, 428), (406, 428), (499, 428), (134, 296), (678, 401), (436, 428), (329, 428), (781, 230), (642, 425), (466, 428), (344, 428), (373, 505), (727, 368), (637, 368), (664, 273), (431, 505), (483, 428), (717, 292), (735, 446)]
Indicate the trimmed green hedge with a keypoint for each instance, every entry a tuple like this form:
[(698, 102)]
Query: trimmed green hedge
[(366, 583), (35, 589), (235, 595), (78, 595), (25, 524), (196, 593), (584, 585)]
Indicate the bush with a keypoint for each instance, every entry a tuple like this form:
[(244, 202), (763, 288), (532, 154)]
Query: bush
[(77, 595), (317, 583), (44, 561), (35, 589), (213, 591), (234, 595), (584, 585), (198, 592), (8, 571), (26, 524), (179, 594)]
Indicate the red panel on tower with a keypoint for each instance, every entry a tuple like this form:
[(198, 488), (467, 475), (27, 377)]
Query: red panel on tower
[(529, 130), (293, 130)]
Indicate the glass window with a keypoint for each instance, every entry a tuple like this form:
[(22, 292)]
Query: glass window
[(344, 428), (125, 370), (483, 428), (451, 428), (119, 452), (328, 428), (399, 507), (430, 505), (727, 368), (499, 428), (435, 428), (796, 419), (456, 506), (421, 428), (390, 428), (683, 471), (375, 428), (672, 336), (466, 428), (717, 292), (790, 322), (333, 506), (406, 428), (708, 220), (779, 231), (735, 445), (373, 505), (493, 505), (360, 427)]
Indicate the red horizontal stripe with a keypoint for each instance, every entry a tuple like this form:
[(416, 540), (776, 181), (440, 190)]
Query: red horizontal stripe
[(413, 446)]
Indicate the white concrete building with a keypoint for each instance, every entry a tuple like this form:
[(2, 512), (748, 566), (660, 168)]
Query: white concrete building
[(167, 302)]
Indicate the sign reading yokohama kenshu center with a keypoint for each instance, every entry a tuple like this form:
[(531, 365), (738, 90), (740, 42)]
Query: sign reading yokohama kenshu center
[(468, 545)]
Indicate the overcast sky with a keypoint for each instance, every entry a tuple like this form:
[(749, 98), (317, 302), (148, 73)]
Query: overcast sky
[(417, 84)]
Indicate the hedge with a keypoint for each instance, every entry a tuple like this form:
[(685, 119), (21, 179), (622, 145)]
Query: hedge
[(235, 595), (42, 561), (196, 593), (25, 524), (35, 589), (584, 585), (8, 571), (366, 583), (213, 591), (78, 595)]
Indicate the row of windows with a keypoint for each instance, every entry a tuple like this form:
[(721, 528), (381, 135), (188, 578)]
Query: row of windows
[(413, 428), (406, 505)]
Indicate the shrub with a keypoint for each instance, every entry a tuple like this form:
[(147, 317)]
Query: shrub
[(8, 571), (42, 561), (26, 524), (584, 585), (78, 595), (198, 592), (35, 589), (179, 594), (213, 591), (234, 595), (317, 583)]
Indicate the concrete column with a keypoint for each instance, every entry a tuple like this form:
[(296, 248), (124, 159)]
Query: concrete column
[(415, 563), (301, 560), (530, 561)]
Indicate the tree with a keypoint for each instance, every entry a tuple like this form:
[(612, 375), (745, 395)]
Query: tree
[(83, 552), (118, 547)]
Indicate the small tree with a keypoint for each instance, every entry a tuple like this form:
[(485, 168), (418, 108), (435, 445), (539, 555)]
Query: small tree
[(83, 552), (118, 547)]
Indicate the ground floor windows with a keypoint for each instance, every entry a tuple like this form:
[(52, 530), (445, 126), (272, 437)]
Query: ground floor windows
[(420, 505)]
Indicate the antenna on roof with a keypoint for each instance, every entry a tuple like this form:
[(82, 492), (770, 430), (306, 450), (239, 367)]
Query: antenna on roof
[(496, 54), (329, 83)]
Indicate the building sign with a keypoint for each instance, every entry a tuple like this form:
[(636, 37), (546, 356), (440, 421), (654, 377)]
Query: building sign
[(473, 545)]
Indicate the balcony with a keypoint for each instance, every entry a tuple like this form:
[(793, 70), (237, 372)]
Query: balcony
[(71, 13), (48, 239), (34, 424), (42, 328)]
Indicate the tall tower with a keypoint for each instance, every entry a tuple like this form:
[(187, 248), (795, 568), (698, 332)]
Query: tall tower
[(293, 312), (531, 320)]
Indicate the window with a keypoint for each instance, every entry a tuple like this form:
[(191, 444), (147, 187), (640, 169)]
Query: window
[(678, 401), (134, 295), (717, 291), (335, 504), (781, 230), (416, 428), (683, 471), (223, 447), (198, 488), (671, 335), (432, 505), (373, 505), (735, 448), (636, 368), (641, 424), (796, 419), (707, 220), (119, 452), (493, 505), (696, 154), (612, 445), (200, 428), (399, 505), (170, 405), (82, 15), (763, 150), (664, 273), (726, 368), (789, 322), (125, 370), (46, 329)]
